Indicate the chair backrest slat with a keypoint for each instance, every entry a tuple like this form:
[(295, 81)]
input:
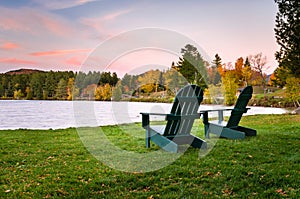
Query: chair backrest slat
[(240, 107), (187, 102)]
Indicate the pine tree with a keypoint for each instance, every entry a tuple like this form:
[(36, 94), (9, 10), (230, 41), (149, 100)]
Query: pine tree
[(216, 76), (192, 66), (287, 33), (61, 90), (117, 92)]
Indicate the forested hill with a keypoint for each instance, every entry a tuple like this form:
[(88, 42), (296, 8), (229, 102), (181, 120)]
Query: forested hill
[(22, 71)]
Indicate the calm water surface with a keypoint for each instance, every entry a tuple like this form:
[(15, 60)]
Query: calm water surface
[(63, 114)]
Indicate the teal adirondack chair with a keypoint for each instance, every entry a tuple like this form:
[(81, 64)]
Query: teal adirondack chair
[(179, 122), (231, 128)]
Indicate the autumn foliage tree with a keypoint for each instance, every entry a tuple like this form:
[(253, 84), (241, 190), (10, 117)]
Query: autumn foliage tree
[(258, 64), (103, 93), (72, 90), (239, 70), (293, 90), (247, 72), (230, 86)]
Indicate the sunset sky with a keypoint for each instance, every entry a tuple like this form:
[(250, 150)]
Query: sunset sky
[(61, 34)]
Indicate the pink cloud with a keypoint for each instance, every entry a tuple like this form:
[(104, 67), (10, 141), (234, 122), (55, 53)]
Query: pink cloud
[(56, 26), (60, 52), (33, 21), (17, 61), (74, 61), (114, 15), (98, 23), (9, 46), (133, 62)]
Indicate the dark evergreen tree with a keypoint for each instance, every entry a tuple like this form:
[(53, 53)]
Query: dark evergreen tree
[(125, 82), (192, 66), (61, 90), (216, 77), (80, 81), (114, 79), (50, 84), (217, 62), (287, 33), (247, 62), (37, 83)]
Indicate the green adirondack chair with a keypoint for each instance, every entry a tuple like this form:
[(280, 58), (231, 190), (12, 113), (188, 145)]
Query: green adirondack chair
[(231, 128), (177, 130)]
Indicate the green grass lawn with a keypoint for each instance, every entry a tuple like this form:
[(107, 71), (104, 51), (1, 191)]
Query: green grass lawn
[(55, 163), (278, 93)]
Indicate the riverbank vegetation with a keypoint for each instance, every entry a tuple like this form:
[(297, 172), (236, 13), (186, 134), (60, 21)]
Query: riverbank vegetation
[(151, 86), (55, 163)]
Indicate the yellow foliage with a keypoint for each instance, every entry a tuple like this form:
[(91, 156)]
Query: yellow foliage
[(207, 96), (72, 91), (18, 94), (230, 86), (247, 74), (293, 90), (103, 93)]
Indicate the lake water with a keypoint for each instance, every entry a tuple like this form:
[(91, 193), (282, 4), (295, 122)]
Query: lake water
[(63, 114)]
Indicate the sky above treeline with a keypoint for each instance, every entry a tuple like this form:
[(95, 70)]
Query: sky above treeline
[(71, 34)]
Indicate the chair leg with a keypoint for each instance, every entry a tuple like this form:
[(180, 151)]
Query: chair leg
[(199, 143), (247, 131), (206, 124), (163, 142), (232, 134), (147, 138)]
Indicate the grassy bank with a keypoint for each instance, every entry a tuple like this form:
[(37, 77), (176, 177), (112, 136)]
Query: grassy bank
[(54, 163)]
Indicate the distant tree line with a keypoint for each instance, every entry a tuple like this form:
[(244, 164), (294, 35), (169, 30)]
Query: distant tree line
[(60, 85)]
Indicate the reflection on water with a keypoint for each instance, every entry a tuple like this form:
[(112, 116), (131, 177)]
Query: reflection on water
[(63, 114)]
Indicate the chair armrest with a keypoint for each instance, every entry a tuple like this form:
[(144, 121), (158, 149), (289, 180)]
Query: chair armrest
[(161, 114), (242, 110), (146, 117), (225, 109), (220, 113)]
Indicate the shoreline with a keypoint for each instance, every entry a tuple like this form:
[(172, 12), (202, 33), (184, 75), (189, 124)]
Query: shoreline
[(113, 125), (255, 102)]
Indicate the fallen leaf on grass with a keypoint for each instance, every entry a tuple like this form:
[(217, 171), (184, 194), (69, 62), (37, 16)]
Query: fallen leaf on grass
[(281, 192), (50, 157)]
